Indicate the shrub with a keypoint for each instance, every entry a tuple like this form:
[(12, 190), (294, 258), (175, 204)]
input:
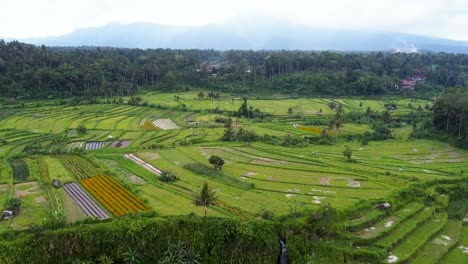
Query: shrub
[(82, 129), (221, 119), (168, 176), (266, 214), (179, 253)]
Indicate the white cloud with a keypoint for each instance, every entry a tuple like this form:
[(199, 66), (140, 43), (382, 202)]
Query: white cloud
[(32, 18)]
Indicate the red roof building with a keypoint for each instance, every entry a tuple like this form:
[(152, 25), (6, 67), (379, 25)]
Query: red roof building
[(407, 84)]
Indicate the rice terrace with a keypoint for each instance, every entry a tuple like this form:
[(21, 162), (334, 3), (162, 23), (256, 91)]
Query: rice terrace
[(234, 176)]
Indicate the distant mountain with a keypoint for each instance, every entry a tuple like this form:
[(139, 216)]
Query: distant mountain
[(266, 33)]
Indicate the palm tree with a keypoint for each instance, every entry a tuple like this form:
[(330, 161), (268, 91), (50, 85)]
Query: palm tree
[(205, 198)]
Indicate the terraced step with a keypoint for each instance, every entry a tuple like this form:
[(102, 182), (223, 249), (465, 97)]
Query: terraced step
[(416, 239), (405, 228), (436, 248), (366, 219), (388, 223), (459, 252)]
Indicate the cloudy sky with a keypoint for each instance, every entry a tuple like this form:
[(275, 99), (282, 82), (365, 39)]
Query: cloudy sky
[(39, 18)]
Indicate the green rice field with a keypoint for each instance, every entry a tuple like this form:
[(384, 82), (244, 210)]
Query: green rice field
[(44, 143)]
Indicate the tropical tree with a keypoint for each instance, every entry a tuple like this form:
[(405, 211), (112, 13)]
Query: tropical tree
[(386, 117), (347, 152), (229, 133), (82, 129), (368, 113), (217, 161), (324, 134), (205, 197)]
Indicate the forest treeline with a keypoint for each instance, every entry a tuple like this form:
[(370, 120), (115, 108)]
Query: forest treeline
[(28, 71), (450, 114)]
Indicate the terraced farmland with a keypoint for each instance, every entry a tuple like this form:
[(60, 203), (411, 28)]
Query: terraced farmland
[(118, 158)]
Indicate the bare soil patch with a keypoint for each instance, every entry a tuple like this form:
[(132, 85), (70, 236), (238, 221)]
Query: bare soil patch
[(34, 188), (354, 184), (324, 181), (4, 188)]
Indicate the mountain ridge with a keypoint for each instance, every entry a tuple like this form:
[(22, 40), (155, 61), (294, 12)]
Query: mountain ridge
[(248, 35)]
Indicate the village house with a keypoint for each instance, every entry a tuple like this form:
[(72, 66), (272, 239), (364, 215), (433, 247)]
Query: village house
[(408, 84)]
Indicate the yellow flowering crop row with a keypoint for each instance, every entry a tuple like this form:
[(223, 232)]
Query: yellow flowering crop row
[(148, 125), (114, 196), (313, 130)]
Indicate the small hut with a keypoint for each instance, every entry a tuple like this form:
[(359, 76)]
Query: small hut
[(56, 183), (383, 206), (7, 214)]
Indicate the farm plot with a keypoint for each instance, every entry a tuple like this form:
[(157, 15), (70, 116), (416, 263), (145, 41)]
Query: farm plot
[(4, 193), (440, 244), (418, 238), (71, 209), (143, 163), (34, 205), (5, 171), (89, 207), (75, 145), (80, 167), (459, 253), (405, 228), (125, 175), (95, 145), (34, 171), (314, 130), (165, 124), (20, 170), (120, 143), (147, 125), (57, 170), (390, 222), (114, 196)]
